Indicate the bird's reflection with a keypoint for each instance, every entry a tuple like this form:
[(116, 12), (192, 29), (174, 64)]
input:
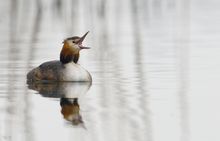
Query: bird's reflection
[(69, 94), (70, 110)]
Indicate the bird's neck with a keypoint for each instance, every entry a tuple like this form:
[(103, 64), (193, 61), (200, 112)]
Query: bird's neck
[(68, 54)]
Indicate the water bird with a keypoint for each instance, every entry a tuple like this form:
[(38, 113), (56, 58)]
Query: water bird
[(65, 69)]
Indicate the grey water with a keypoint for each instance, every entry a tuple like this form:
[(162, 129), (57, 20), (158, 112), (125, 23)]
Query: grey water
[(155, 66)]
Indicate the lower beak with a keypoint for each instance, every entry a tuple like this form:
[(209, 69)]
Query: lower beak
[(82, 47), (81, 40)]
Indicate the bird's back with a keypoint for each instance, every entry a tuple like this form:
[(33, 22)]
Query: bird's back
[(46, 71)]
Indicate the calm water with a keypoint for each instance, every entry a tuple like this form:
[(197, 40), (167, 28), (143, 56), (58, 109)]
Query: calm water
[(155, 68)]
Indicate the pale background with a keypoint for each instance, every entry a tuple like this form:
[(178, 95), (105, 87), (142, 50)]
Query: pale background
[(155, 66)]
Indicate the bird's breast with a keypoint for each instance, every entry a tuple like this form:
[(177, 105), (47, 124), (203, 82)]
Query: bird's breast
[(74, 72)]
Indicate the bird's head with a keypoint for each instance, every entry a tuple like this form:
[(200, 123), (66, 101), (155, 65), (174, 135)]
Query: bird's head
[(71, 48), (75, 42)]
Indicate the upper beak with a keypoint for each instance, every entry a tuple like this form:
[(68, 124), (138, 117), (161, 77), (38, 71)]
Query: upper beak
[(81, 40)]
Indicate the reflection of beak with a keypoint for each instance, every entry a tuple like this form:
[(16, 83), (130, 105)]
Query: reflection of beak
[(81, 40)]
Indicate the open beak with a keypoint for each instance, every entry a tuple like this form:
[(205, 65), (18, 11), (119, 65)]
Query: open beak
[(81, 40)]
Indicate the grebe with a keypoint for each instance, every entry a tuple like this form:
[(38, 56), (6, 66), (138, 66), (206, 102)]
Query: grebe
[(65, 69)]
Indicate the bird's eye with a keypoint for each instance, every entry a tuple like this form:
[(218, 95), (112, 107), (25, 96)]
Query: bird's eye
[(73, 41)]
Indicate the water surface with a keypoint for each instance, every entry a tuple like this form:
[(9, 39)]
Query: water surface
[(155, 68)]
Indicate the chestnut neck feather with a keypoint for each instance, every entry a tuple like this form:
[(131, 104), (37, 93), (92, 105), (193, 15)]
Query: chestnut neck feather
[(68, 54)]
